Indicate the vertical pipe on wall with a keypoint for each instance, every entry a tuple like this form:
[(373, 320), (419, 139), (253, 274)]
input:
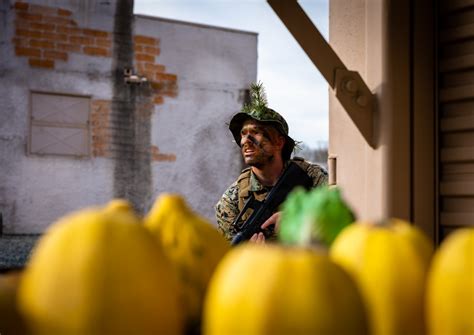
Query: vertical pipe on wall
[(131, 112)]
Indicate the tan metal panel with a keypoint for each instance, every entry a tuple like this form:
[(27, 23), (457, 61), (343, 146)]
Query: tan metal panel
[(458, 63), (456, 117), (462, 154), (456, 169), (457, 123), (457, 18), (457, 49), (454, 5), (456, 93), (458, 78), (457, 188), (460, 108), (462, 32), (458, 204), (457, 219)]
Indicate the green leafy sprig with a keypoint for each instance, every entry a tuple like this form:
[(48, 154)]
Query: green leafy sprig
[(258, 99)]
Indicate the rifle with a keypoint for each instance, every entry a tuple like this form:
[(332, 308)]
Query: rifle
[(292, 177)]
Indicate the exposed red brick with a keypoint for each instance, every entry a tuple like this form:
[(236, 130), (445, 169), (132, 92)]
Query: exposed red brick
[(157, 156), (158, 100), (159, 69), (152, 50), (144, 57), (38, 9), (61, 21), (166, 77), (68, 47), (101, 103), (20, 42), (81, 40), (42, 26), (156, 85), (21, 6), (64, 12), (23, 24), (170, 92), (99, 121), (41, 44), (94, 51), (145, 40), (55, 55), (147, 74), (154, 67), (29, 33), (101, 42), (69, 30), (55, 37), (29, 52), (28, 16), (44, 63), (95, 33), (138, 48)]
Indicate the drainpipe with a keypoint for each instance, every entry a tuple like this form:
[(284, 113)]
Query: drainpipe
[(131, 112)]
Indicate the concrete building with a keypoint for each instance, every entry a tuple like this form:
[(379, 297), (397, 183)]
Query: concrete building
[(98, 103), (401, 122)]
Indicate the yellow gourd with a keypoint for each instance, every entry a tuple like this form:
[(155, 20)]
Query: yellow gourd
[(281, 290), (194, 246), (450, 292), (98, 271), (389, 262)]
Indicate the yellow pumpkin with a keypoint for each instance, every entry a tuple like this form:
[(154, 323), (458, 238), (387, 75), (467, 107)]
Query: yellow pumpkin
[(389, 264), (281, 290), (194, 246), (99, 271), (450, 292)]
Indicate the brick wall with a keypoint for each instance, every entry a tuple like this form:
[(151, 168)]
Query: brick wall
[(47, 35), (102, 133)]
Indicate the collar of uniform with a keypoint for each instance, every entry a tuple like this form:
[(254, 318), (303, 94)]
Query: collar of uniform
[(256, 185)]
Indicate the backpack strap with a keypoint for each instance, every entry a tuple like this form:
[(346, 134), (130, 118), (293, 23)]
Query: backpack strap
[(243, 183)]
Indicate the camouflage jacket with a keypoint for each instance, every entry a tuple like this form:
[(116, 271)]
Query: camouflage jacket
[(227, 209)]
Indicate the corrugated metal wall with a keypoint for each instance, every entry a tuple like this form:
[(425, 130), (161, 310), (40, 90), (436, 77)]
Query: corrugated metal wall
[(455, 115)]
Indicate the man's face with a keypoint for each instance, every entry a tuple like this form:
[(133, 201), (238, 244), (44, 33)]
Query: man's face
[(260, 143)]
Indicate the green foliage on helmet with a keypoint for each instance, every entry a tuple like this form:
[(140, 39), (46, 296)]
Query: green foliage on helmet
[(258, 110)]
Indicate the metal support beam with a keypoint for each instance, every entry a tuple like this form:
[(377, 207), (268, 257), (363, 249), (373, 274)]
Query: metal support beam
[(350, 89)]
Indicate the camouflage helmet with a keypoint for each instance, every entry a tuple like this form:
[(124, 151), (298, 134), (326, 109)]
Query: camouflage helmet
[(257, 110)]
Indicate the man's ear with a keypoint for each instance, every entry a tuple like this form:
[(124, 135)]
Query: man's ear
[(281, 141)]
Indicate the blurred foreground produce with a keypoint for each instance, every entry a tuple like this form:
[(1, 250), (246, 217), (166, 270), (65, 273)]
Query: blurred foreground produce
[(194, 246), (99, 271), (11, 321), (389, 262), (272, 289), (450, 288), (318, 215)]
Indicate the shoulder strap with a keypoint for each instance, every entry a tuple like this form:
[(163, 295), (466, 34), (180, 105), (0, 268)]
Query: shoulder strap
[(301, 163), (243, 183)]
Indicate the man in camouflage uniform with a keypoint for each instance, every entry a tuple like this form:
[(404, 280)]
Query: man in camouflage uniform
[(266, 147)]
